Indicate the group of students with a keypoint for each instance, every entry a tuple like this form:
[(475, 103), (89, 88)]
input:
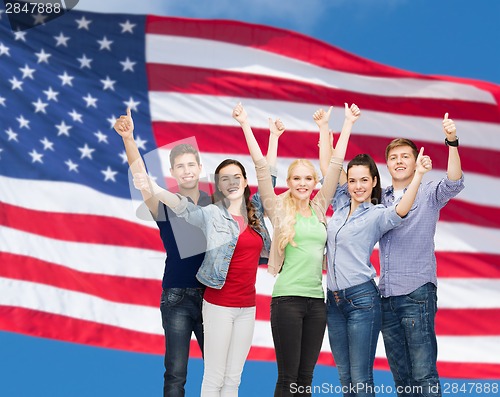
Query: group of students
[(214, 246)]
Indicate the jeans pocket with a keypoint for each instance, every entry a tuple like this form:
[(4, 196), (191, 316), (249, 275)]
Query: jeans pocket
[(172, 296), (363, 301)]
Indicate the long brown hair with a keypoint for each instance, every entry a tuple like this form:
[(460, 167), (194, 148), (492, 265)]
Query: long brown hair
[(248, 208)]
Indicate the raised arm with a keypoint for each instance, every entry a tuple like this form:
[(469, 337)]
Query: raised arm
[(454, 170), (150, 189), (264, 180), (276, 128), (424, 164), (321, 118), (351, 115), (124, 126), (240, 115), (332, 176)]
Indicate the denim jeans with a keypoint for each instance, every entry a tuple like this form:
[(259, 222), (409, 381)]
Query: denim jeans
[(298, 327), (181, 316), (410, 341), (354, 321)]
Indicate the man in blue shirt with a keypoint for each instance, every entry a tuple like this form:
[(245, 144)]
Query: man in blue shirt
[(185, 245), (408, 277)]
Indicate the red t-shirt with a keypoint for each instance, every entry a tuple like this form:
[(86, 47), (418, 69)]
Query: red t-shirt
[(239, 288)]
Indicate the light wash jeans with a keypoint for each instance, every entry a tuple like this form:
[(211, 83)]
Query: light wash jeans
[(354, 319), (410, 341), (228, 335)]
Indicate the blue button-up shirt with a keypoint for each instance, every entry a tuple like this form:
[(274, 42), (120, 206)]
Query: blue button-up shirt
[(407, 259), (351, 239)]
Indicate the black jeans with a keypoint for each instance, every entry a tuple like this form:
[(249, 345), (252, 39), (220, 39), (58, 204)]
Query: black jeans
[(298, 325)]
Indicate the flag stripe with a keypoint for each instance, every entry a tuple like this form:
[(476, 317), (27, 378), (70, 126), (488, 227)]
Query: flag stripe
[(112, 288), (92, 229), (85, 257), (215, 82), (459, 264), (70, 198), (211, 110), (223, 55), (301, 144)]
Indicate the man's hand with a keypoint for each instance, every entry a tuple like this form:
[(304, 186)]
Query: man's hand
[(124, 126), (424, 163), (449, 128)]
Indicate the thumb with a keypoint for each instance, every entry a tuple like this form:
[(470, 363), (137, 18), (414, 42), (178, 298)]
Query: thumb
[(421, 153), (129, 113), (446, 116), (329, 111), (271, 122)]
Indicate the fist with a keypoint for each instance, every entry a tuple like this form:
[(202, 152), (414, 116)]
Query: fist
[(449, 128), (141, 181), (239, 113)]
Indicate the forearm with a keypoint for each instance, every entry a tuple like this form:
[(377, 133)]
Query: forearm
[(133, 156), (325, 148), (330, 182), (253, 145), (265, 186), (170, 199), (272, 151), (341, 147), (406, 202), (454, 170)]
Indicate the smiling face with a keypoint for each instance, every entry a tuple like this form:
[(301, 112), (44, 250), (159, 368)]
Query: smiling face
[(231, 182), (360, 183), (186, 171), (301, 181), (401, 163)]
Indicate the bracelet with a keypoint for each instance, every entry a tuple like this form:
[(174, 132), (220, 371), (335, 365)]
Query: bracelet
[(451, 143)]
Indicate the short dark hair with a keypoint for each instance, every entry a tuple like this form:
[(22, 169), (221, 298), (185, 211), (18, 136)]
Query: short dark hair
[(401, 142), (183, 148), (367, 161)]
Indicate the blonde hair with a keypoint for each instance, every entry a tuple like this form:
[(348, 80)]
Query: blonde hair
[(289, 204)]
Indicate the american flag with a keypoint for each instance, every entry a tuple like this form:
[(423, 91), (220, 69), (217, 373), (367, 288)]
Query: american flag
[(78, 264)]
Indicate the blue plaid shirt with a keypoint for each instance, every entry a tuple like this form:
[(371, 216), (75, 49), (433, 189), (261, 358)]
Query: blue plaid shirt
[(407, 259)]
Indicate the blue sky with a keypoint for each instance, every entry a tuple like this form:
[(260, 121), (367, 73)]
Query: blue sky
[(446, 37)]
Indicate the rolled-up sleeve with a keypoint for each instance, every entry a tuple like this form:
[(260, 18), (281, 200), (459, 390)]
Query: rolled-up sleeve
[(388, 219), (446, 189)]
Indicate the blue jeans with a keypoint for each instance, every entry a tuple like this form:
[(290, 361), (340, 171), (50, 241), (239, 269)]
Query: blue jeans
[(410, 341), (181, 316), (298, 326), (354, 321)]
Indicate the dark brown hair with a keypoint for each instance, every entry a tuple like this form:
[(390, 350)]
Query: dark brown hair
[(250, 211), (367, 161)]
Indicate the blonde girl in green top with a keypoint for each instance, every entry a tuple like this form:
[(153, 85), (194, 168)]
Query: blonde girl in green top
[(298, 311)]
